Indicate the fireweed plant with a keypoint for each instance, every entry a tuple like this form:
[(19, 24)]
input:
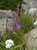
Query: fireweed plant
[(11, 41)]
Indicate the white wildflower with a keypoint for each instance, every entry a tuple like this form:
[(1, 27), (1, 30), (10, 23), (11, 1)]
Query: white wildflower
[(35, 23), (9, 43), (8, 46)]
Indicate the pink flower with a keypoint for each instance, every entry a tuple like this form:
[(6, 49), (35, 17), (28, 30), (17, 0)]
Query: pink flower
[(18, 26)]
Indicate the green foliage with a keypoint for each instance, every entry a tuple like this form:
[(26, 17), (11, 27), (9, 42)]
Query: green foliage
[(27, 22), (9, 4), (18, 39)]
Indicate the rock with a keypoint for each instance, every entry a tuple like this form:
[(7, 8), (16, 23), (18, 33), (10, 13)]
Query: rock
[(32, 11), (24, 7), (3, 15), (29, 4), (7, 17), (31, 39), (10, 24), (2, 25)]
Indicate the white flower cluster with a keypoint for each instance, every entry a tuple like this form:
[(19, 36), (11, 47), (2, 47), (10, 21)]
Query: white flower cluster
[(9, 43), (35, 23)]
